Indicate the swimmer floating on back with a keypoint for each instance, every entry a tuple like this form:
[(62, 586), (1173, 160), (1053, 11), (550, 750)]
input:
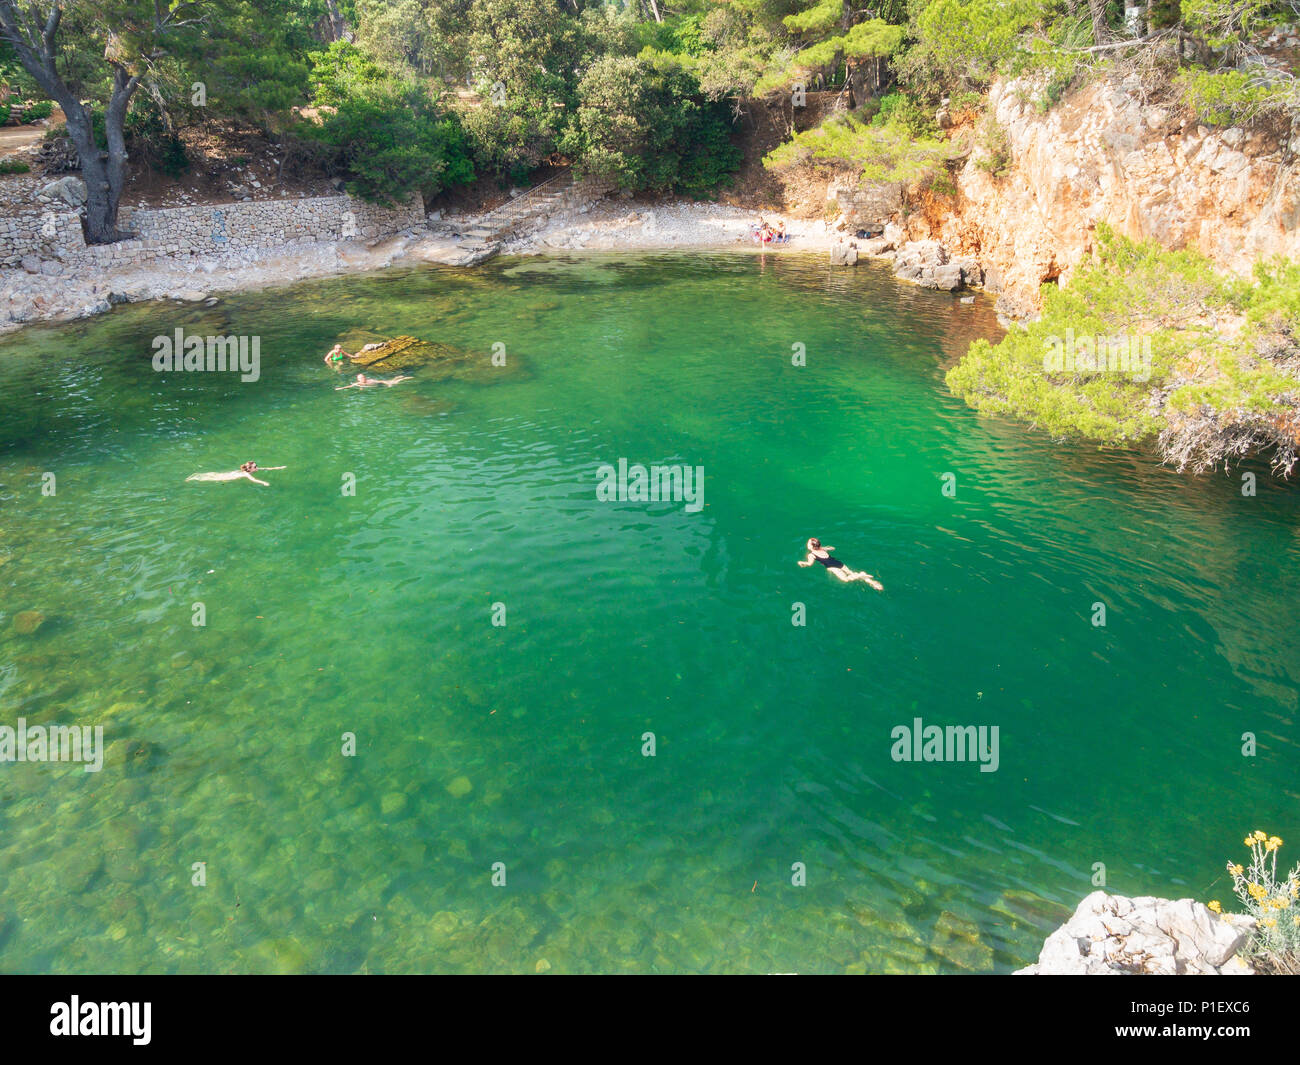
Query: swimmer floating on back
[(817, 553), (363, 381), (244, 473)]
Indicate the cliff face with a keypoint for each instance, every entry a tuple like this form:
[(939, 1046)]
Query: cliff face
[(1103, 155)]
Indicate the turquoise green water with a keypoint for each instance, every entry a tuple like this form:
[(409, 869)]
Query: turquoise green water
[(522, 744)]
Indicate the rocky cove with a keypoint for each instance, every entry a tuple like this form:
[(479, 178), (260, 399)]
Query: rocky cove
[(1102, 155)]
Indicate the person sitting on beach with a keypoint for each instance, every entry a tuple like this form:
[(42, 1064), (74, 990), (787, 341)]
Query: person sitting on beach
[(781, 235), (244, 473), (363, 381), (817, 553)]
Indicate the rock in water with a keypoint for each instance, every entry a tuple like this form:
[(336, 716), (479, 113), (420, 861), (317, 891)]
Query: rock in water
[(27, 622), (393, 803), (460, 787), (438, 361), (958, 941), (947, 278)]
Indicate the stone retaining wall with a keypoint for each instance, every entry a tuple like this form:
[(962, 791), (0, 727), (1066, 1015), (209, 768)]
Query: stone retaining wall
[(268, 223), (208, 230), (38, 232)]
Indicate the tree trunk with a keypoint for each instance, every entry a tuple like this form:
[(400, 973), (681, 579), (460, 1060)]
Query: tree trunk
[(655, 10), (101, 212), (1100, 31), (104, 175), (338, 26), (853, 82), (124, 88)]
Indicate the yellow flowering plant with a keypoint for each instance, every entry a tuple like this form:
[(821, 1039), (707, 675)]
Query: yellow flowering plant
[(1266, 897)]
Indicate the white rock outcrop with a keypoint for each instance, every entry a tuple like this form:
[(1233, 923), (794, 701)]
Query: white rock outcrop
[(1114, 935)]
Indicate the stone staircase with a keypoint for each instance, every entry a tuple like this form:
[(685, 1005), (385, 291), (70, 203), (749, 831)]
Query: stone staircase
[(485, 233)]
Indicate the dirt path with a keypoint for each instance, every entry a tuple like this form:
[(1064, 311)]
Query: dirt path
[(14, 137)]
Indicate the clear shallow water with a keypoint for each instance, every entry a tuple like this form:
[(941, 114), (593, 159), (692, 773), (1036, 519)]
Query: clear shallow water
[(372, 614)]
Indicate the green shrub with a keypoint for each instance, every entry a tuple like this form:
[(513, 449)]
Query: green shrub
[(150, 139), (37, 111), (944, 184), (902, 110), (996, 145), (1232, 97), (14, 166), (643, 122), (886, 151), (1171, 301), (385, 132)]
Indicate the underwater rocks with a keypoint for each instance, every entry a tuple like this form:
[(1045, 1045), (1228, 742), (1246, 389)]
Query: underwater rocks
[(393, 804), (438, 362), (958, 941), (27, 622), (1111, 934)]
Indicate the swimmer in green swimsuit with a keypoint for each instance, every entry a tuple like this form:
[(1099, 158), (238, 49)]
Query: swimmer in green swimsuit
[(336, 354)]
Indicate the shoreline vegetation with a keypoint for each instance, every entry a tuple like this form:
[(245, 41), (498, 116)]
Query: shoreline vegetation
[(838, 116)]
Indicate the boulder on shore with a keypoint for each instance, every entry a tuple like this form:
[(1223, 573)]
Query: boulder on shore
[(843, 254), (71, 190), (1114, 935)]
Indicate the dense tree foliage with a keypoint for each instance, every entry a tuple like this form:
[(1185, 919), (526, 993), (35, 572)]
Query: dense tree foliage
[(386, 131), (1147, 344), (643, 123), (424, 94)]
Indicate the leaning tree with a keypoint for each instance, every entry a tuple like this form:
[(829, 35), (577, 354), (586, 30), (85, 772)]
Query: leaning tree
[(73, 48)]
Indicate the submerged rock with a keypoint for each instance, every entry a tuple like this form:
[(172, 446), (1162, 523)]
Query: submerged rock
[(27, 622), (437, 361), (957, 940), (459, 788), (392, 804)]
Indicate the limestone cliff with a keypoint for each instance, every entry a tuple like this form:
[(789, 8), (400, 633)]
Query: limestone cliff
[(1105, 155)]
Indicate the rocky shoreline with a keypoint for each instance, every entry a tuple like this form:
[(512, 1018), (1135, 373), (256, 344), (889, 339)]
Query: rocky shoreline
[(1114, 935), (47, 289)]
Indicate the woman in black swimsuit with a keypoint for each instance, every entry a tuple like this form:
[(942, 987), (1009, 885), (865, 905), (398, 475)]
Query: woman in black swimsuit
[(817, 553)]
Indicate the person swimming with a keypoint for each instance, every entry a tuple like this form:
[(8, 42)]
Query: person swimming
[(244, 473), (363, 381), (818, 553)]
